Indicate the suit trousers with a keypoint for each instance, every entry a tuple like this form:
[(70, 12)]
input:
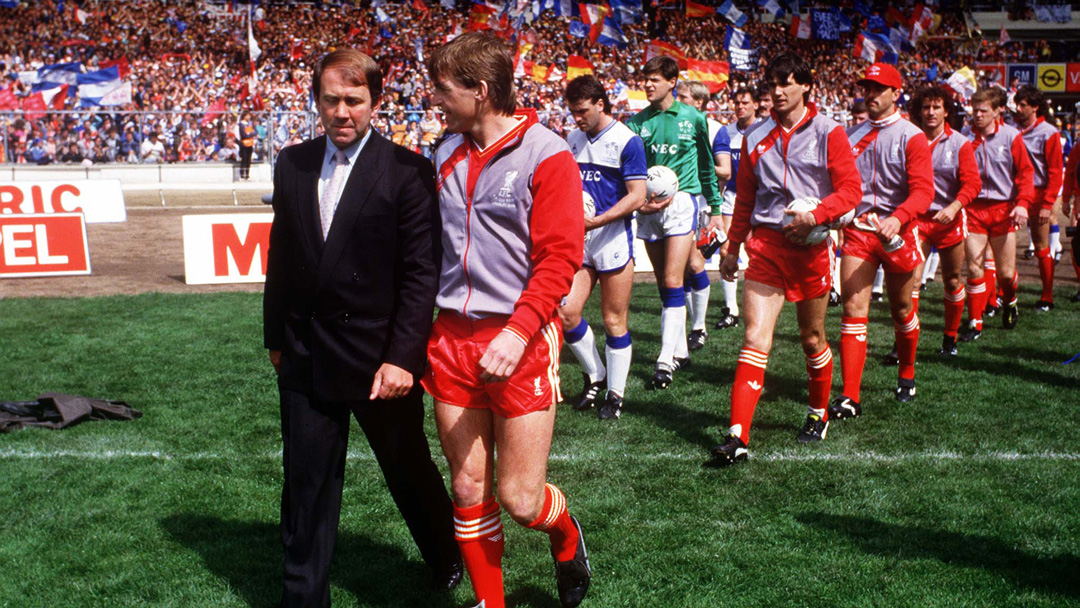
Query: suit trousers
[(315, 437)]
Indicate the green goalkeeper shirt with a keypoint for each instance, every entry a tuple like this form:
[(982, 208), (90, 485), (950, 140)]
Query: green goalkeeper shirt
[(678, 138)]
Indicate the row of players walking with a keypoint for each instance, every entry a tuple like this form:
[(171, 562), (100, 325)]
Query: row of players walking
[(765, 194)]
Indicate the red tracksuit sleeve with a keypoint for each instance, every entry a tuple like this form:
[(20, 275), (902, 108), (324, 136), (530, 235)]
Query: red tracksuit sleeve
[(970, 182), (920, 173), (1023, 173), (1070, 173), (745, 197), (557, 228), (846, 183), (1055, 163)]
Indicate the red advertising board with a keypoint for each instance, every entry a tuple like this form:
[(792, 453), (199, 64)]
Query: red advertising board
[(43, 245), (1072, 78)]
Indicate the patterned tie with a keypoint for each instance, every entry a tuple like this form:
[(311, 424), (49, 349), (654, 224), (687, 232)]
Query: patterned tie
[(329, 201)]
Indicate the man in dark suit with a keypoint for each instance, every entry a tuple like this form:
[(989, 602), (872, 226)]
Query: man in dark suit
[(350, 289)]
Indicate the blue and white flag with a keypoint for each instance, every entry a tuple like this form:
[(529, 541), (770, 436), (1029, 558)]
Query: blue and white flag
[(771, 6), (95, 85), (627, 11), (578, 29), (60, 73), (381, 16), (732, 13), (876, 24), (734, 38), (611, 34)]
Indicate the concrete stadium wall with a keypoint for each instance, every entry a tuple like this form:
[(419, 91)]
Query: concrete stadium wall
[(224, 174)]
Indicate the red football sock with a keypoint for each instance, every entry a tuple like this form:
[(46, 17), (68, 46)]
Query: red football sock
[(746, 389), (990, 276), (478, 531), (1046, 273), (976, 300), (819, 369), (954, 310), (852, 354), (907, 341), (915, 293), (555, 521), (1008, 288)]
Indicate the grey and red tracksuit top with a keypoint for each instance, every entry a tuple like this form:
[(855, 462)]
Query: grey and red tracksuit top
[(1043, 143), (778, 166), (1071, 185), (512, 225), (893, 158), (956, 174), (1004, 167)]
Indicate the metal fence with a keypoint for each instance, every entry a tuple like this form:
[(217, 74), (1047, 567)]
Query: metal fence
[(189, 137)]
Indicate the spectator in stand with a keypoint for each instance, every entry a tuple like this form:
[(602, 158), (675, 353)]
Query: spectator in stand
[(152, 150), (36, 153), (430, 129), (248, 137)]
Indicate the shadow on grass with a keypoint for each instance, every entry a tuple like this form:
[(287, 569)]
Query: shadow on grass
[(531, 597), (247, 555), (1003, 369), (1053, 574)]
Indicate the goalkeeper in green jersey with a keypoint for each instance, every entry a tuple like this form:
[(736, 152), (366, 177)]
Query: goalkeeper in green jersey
[(676, 136)]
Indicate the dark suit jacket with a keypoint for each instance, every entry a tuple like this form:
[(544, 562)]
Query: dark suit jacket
[(338, 310)]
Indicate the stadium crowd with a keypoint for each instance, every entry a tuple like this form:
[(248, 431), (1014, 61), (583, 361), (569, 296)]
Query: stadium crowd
[(189, 67)]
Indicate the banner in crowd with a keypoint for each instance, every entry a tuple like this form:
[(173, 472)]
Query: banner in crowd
[(43, 245), (226, 248), (998, 72), (101, 201)]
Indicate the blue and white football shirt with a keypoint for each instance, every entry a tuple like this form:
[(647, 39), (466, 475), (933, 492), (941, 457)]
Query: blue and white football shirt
[(607, 162)]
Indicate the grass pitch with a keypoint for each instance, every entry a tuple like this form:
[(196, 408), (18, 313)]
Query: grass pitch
[(968, 497)]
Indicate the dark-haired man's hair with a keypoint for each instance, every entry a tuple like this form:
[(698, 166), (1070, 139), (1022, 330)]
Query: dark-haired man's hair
[(666, 66), (1032, 96), (931, 92), (754, 95), (587, 88), (788, 64)]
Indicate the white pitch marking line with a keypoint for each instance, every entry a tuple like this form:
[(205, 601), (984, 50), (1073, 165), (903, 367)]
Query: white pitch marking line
[(943, 456)]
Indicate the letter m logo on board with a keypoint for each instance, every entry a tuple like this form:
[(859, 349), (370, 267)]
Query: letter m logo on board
[(228, 248)]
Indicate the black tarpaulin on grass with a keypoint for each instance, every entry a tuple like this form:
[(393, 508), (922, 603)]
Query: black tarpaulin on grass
[(58, 411)]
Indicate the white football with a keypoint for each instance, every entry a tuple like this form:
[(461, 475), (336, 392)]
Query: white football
[(589, 204), (661, 183), (819, 232), (843, 220)]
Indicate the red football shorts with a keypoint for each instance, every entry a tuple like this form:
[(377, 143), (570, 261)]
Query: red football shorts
[(939, 235), (453, 374), (1038, 203), (866, 246), (990, 217), (804, 273)]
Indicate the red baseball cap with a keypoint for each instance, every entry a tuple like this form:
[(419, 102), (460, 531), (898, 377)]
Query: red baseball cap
[(884, 74)]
